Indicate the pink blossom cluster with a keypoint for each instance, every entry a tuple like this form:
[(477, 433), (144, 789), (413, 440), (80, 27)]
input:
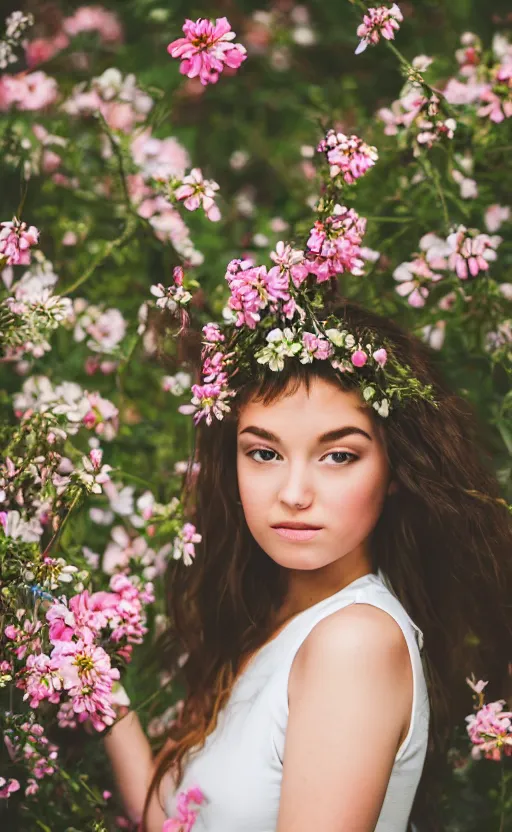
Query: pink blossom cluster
[(348, 156), (413, 111), (78, 666), (413, 278), (490, 731), (497, 97), (85, 19), (214, 367), (466, 252), (185, 543), (378, 22), (16, 240), (212, 333), (40, 50), (159, 158), (118, 98), (165, 160), (195, 191), (253, 289), (334, 245), (488, 87), (470, 252), (102, 416), (94, 19), (289, 261), (314, 347), (208, 401), (31, 91), (28, 744), (187, 803), (206, 49), (8, 787)]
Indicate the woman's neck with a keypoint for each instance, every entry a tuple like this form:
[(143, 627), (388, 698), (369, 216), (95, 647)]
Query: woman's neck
[(307, 587)]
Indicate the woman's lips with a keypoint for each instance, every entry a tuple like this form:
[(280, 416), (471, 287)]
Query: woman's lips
[(296, 534)]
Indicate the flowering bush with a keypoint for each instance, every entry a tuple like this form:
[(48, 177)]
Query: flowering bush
[(127, 224)]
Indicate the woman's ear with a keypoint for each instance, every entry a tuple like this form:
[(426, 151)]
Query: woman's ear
[(392, 488)]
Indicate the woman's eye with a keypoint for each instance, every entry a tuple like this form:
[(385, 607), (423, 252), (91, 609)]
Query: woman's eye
[(342, 457), (265, 454)]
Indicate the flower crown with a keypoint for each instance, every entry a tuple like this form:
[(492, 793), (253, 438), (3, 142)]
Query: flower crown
[(275, 314)]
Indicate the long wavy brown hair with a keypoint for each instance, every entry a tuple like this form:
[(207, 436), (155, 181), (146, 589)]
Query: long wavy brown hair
[(444, 540)]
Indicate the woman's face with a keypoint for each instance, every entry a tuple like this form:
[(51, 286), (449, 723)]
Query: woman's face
[(312, 475)]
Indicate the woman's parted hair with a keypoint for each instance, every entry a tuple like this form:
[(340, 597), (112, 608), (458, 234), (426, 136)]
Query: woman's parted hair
[(443, 539)]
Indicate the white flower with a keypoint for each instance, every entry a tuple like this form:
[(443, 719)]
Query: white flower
[(337, 337), (91, 477), (29, 531), (177, 384), (382, 407), (281, 343)]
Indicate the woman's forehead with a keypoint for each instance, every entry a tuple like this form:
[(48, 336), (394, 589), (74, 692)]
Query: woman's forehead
[(311, 409)]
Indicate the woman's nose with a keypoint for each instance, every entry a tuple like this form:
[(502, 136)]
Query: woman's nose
[(296, 490)]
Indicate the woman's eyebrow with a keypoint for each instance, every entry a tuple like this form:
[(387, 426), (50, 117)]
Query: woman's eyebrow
[(339, 433), (330, 436), (263, 434)]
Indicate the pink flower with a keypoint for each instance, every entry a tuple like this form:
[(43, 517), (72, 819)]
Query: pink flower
[(42, 49), (380, 356), (88, 678), (490, 731), (31, 788), (95, 19), (494, 216), (16, 240), (359, 358), (103, 417), (349, 156), (159, 158), (457, 92), (42, 681), (212, 333), (28, 745), (213, 369), (412, 278), (378, 21), (253, 289), (494, 107), (8, 787), (208, 400), (185, 815), (335, 244), (471, 252), (290, 260), (205, 49), (184, 544), (34, 91), (314, 347), (194, 191), (498, 99)]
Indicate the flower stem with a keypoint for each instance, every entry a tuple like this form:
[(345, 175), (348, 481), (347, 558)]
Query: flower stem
[(131, 224), (61, 527)]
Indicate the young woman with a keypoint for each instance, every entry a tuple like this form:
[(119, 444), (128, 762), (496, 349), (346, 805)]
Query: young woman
[(353, 571)]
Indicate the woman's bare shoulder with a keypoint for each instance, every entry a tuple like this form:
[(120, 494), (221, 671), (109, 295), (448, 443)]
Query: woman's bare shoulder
[(359, 635)]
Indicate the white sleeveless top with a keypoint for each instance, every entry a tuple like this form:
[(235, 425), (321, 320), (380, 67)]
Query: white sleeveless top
[(239, 769)]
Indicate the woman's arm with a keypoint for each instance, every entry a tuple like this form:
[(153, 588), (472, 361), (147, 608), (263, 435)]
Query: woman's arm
[(133, 765), (350, 698)]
